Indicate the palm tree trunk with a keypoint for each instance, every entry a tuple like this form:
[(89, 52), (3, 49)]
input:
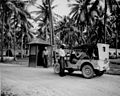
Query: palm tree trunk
[(52, 31), (46, 34), (2, 35), (116, 42), (117, 27), (51, 24), (105, 20), (88, 34), (14, 44), (22, 45), (117, 30), (8, 49)]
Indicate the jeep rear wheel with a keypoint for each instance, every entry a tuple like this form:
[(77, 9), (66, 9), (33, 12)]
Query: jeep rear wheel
[(87, 71)]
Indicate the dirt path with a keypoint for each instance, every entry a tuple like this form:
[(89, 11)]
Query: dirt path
[(25, 81)]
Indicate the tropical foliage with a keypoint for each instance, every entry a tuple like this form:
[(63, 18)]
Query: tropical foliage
[(89, 21), (94, 20), (14, 18), (43, 17)]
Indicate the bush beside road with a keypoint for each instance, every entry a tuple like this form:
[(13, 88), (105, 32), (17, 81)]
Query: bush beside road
[(114, 67)]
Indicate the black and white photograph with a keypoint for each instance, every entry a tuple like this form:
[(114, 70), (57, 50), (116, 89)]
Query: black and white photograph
[(60, 47)]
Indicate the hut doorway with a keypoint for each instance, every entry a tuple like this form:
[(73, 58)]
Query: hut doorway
[(39, 57)]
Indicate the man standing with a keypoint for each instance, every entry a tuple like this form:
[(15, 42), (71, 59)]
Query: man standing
[(61, 53), (45, 57)]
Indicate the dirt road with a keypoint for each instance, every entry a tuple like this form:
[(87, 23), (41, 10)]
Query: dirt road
[(25, 81)]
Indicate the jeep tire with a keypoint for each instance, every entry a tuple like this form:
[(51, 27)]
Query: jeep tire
[(87, 71)]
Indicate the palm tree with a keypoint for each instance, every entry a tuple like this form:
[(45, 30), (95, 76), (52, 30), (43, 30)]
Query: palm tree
[(5, 13), (22, 23), (9, 9), (116, 19), (82, 9), (97, 31), (44, 17), (68, 31), (83, 12)]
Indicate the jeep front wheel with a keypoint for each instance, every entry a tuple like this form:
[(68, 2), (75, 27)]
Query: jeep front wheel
[(56, 68), (87, 71)]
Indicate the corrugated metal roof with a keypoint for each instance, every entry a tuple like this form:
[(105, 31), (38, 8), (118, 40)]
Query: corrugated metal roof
[(39, 41)]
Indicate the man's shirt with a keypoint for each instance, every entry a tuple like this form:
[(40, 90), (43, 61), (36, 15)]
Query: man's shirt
[(61, 52)]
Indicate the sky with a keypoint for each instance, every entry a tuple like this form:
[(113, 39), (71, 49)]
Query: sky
[(62, 8)]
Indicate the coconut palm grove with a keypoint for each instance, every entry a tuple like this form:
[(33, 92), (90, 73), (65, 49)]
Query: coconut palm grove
[(89, 22)]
